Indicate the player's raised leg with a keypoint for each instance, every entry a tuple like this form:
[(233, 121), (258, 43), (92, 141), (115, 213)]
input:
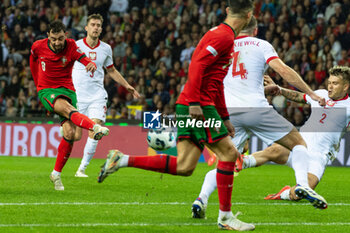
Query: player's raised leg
[(65, 109), (183, 164), (57, 100), (188, 152)]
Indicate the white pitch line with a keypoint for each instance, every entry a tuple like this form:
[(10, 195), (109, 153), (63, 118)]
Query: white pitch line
[(172, 224), (303, 223), (96, 203), (161, 203)]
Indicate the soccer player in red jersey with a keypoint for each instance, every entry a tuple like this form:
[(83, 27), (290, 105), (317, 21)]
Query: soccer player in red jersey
[(202, 99), (51, 64)]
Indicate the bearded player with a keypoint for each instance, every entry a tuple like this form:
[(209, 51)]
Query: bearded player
[(51, 64), (202, 99), (322, 131)]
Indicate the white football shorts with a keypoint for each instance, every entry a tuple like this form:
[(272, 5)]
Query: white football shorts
[(96, 109), (265, 123)]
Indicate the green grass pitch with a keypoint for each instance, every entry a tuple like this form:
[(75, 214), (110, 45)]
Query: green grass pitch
[(134, 200)]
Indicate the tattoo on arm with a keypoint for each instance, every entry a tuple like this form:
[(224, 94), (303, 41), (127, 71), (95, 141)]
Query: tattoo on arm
[(293, 95)]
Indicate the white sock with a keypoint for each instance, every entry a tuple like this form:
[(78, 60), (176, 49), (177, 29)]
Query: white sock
[(300, 157), (225, 214), (249, 161), (55, 173), (89, 152), (124, 161), (209, 186), (285, 194)]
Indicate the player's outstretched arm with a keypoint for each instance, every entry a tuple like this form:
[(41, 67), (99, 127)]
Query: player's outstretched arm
[(294, 79), (272, 89), (116, 76), (295, 96)]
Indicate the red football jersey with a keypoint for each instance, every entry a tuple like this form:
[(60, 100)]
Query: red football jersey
[(209, 65), (52, 69)]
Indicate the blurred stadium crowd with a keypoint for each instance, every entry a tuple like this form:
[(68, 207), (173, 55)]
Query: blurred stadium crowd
[(153, 40)]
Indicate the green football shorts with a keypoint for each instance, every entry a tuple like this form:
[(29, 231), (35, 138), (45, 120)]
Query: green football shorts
[(211, 130), (48, 97)]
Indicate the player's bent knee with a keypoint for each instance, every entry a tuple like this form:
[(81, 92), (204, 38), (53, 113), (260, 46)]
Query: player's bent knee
[(300, 142), (69, 134), (297, 139), (69, 137), (184, 172), (229, 154), (77, 137), (273, 151)]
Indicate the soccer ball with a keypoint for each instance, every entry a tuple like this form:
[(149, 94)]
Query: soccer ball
[(161, 139)]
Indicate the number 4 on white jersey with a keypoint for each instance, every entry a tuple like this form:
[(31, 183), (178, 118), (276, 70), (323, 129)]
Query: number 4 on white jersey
[(242, 72)]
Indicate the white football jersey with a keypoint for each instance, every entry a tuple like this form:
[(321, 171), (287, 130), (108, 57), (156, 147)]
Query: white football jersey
[(244, 82), (89, 87), (326, 126)]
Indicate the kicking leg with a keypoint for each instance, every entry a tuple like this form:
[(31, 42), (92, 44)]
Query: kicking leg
[(183, 164), (65, 109)]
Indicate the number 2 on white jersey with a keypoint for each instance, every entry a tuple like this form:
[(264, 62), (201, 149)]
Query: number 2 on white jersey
[(241, 69), (324, 115)]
